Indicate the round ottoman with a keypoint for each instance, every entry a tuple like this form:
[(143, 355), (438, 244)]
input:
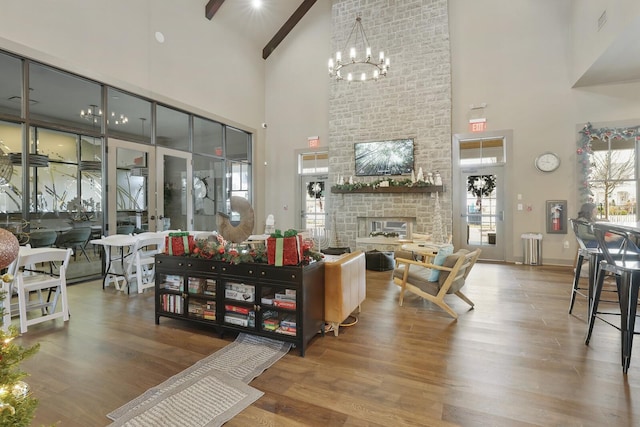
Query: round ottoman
[(379, 261)]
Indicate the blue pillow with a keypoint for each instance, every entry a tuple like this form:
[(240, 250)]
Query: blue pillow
[(442, 255)]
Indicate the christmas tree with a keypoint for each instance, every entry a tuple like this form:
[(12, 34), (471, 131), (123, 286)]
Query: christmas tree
[(437, 233), (17, 405)]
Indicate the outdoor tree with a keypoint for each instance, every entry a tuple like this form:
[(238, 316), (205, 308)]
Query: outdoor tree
[(609, 170)]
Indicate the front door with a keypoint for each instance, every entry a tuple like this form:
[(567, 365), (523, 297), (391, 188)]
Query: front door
[(482, 211)]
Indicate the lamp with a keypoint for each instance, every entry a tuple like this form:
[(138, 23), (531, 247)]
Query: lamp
[(94, 114), (357, 66)]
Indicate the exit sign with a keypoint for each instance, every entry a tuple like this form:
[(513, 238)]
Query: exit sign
[(314, 141), (477, 125)]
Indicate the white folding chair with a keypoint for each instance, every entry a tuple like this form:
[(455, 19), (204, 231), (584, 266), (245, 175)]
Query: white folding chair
[(142, 264), (27, 280)]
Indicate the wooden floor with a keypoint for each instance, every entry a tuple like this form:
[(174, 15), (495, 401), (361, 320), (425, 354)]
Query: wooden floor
[(518, 359)]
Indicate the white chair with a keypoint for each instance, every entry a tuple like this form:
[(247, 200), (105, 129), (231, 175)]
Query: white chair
[(27, 280), (141, 265)]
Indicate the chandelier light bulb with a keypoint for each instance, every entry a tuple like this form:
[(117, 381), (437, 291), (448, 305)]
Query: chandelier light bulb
[(349, 77), (381, 56), (368, 53), (352, 53), (338, 57)]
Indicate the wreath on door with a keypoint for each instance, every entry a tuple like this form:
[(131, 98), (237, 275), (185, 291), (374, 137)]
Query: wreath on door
[(315, 190), (481, 185)]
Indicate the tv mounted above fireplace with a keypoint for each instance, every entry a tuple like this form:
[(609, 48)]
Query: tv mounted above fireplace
[(394, 157)]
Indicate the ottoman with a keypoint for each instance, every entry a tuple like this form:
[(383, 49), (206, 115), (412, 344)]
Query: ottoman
[(379, 261)]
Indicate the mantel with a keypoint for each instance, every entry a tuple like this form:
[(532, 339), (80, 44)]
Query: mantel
[(392, 189)]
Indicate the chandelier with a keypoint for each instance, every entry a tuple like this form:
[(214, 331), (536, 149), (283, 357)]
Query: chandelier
[(358, 68), (94, 114)]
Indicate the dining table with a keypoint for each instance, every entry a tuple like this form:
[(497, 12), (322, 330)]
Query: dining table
[(115, 267)]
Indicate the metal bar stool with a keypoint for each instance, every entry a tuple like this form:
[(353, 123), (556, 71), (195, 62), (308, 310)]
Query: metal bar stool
[(621, 257)]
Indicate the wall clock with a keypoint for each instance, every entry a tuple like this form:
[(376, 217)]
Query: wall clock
[(547, 162), (201, 188)]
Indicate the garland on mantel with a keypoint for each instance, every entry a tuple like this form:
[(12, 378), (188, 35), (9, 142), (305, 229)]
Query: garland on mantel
[(587, 135), (376, 184)]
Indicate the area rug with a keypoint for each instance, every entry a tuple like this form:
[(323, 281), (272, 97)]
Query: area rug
[(234, 366)]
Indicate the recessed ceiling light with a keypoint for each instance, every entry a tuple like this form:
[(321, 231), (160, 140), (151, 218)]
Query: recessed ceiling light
[(257, 4), (159, 37)]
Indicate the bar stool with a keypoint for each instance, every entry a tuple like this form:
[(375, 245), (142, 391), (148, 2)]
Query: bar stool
[(621, 257), (593, 255)]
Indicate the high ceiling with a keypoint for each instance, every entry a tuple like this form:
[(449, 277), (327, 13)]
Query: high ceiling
[(261, 24)]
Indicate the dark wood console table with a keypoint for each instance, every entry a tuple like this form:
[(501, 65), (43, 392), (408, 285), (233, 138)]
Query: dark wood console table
[(282, 303)]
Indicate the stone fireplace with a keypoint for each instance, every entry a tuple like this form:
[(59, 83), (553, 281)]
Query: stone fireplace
[(412, 101)]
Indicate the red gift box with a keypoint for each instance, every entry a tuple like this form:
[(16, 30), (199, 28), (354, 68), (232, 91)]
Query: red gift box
[(284, 250), (179, 244)]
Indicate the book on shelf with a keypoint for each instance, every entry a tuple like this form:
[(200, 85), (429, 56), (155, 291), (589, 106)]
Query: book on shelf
[(267, 300), (172, 303), (236, 319), (286, 331), (290, 305), (285, 296), (173, 282), (210, 287), (236, 309), (209, 314), (196, 285), (211, 305)]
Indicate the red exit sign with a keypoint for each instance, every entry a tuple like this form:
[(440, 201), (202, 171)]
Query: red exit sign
[(314, 141), (477, 125)]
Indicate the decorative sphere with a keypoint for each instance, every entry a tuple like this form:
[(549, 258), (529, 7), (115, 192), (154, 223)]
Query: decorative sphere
[(9, 248), (580, 151)]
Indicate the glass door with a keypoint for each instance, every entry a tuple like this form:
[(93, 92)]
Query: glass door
[(314, 208), (131, 172), (482, 218), (175, 203)]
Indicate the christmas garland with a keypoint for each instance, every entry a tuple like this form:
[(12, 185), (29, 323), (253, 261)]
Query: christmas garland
[(481, 185), (587, 135), (315, 189)]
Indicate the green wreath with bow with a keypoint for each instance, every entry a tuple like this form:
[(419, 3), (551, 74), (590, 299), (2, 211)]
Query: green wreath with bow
[(315, 190), (481, 185)]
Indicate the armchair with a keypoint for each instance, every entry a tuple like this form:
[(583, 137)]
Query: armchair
[(416, 277)]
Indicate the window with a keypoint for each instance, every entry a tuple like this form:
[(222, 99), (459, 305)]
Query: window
[(11, 71), (313, 163), (483, 151), (608, 159)]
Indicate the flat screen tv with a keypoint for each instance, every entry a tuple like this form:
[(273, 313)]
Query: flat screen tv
[(384, 157)]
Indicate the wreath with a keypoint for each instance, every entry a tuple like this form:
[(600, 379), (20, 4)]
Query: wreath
[(481, 185), (315, 189)]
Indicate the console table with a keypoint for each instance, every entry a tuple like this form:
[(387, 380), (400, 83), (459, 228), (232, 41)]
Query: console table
[(283, 303)]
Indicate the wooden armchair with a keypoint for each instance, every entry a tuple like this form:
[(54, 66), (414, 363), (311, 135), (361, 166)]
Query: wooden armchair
[(416, 276)]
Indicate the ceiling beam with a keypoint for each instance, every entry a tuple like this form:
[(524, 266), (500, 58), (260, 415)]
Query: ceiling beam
[(287, 27), (212, 7)]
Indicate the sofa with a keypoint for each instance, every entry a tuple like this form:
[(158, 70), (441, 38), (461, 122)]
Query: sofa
[(345, 287)]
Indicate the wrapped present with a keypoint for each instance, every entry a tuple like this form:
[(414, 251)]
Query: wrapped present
[(179, 243), (284, 250)]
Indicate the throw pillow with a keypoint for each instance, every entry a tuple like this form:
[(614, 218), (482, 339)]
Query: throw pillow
[(439, 260)]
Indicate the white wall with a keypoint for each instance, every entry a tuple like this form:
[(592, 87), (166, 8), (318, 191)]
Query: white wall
[(516, 56), (588, 42), (113, 42), (296, 94)]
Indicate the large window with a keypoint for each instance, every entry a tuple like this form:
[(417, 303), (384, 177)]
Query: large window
[(608, 162)]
